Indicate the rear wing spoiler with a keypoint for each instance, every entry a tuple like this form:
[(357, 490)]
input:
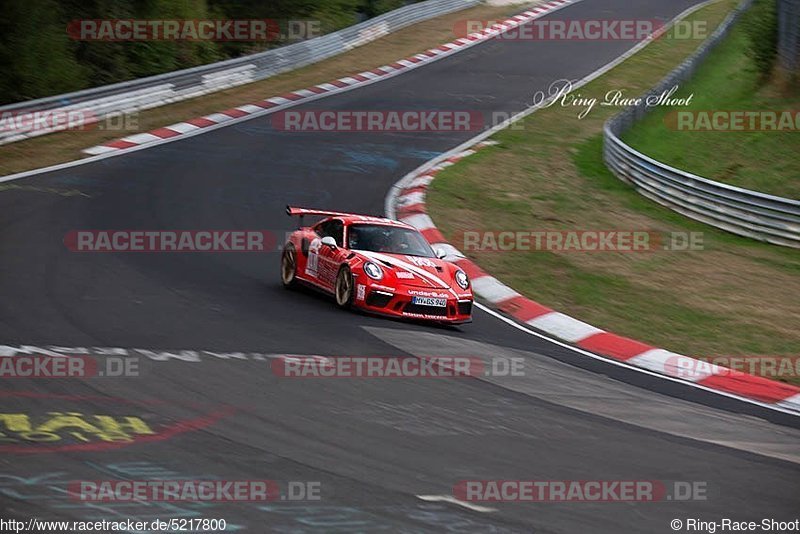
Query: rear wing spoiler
[(292, 211)]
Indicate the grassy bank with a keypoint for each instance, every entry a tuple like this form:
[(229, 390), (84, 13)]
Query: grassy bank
[(767, 161), (733, 297)]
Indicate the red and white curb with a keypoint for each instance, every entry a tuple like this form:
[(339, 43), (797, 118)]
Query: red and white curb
[(277, 103), (409, 207)]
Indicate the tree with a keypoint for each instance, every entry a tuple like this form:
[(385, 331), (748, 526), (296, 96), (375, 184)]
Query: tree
[(36, 56)]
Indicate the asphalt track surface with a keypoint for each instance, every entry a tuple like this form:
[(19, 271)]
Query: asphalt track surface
[(374, 445)]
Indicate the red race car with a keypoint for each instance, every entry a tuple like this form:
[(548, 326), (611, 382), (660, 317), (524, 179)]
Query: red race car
[(377, 265)]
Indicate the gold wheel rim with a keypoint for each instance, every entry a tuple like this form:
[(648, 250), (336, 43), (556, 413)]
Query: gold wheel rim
[(344, 286), (288, 266)]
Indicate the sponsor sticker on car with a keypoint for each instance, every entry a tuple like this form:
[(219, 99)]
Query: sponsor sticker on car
[(429, 301)]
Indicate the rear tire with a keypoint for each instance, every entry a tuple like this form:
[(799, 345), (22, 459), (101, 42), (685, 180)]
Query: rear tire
[(289, 266), (343, 290)]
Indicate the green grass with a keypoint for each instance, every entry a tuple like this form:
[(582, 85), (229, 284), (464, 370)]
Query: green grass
[(589, 161), (735, 297), (767, 161)]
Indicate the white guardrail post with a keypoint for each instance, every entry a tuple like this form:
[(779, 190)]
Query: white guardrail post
[(737, 210)]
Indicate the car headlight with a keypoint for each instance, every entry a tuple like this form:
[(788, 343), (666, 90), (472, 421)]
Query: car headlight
[(462, 279), (373, 271)]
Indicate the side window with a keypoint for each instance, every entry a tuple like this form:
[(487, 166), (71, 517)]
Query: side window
[(322, 228), (333, 228), (337, 231)]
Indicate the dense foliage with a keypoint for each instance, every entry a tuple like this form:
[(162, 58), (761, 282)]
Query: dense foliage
[(761, 25), (38, 57)]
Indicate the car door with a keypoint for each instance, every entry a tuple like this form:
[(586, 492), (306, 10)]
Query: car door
[(323, 261)]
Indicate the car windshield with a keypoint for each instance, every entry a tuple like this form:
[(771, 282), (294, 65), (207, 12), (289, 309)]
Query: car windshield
[(389, 239)]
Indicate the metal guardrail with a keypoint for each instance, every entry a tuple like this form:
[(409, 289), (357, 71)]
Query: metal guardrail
[(154, 91), (737, 210)]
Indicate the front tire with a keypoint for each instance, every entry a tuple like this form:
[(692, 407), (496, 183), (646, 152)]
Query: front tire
[(343, 291), (289, 266)]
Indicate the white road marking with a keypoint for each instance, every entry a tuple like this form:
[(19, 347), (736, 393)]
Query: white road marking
[(564, 327), (514, 324), (492, 289), (453, 500)]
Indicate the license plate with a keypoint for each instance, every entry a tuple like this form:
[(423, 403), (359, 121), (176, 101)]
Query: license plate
[(429, 301)]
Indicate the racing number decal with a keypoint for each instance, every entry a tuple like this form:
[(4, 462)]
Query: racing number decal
[(320, 265), (420, 261), (312, 263)]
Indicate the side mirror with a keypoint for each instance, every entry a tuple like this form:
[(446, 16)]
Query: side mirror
[(329, 241), (440, 252)]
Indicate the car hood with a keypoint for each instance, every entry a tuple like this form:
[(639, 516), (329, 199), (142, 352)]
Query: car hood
[(414, 270)]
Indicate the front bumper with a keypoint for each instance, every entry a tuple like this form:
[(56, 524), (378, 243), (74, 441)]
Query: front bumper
[(398, 302)]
